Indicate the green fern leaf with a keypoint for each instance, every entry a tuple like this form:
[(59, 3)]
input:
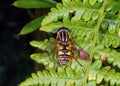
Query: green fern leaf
[(111, 76), (92, 2), (46, 45), (64, 77), (45, 59)]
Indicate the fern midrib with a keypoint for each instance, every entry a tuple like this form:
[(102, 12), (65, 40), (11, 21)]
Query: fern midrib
[(58, 78), (100, 19), (102, 14), (50, 79)]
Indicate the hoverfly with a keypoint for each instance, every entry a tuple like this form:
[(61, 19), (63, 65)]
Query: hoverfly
[(64, 48)]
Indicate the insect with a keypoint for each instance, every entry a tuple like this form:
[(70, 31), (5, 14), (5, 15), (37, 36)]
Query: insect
[(64, 48)]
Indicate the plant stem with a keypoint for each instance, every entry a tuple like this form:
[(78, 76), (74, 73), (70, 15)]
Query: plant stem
[(96, 33)]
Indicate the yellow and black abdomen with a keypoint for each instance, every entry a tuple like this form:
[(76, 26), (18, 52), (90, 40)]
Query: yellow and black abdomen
[(64, 54)]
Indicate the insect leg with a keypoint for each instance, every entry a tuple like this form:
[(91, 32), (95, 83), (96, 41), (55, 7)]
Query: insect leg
[(77, 56), (57, 62), (74, 49)]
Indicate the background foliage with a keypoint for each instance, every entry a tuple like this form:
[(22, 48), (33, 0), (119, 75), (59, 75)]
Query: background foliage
[(15, 62), (14, 50), (95, 26)]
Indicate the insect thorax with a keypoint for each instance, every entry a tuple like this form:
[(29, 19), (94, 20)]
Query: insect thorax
[(63, 35)]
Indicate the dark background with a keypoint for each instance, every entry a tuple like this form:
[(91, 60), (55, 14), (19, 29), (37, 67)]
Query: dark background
[(15, 50), (15, 62)]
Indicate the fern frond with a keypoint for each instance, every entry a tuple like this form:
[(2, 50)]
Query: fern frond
[(109, 76), (46, 45), (67, 14), (111, 40), (112, 55), (80, 10), (44, 58), (64, 77), (95, 26)]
